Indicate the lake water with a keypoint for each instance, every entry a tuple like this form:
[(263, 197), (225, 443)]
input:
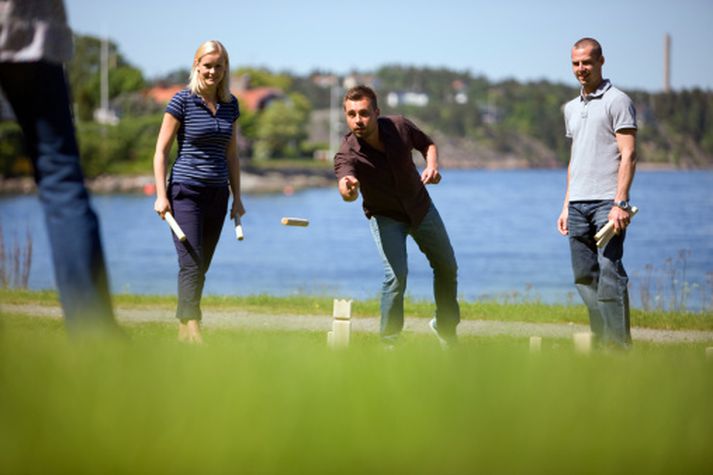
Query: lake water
[(501, 223)]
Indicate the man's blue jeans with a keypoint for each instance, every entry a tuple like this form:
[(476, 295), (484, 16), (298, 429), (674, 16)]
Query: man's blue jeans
[(432, 238), (599, 273), (39, 97)]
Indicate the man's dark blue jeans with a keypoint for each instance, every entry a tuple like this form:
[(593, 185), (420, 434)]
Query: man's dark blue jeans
[(432, 239), (599, 272), (39, 97)]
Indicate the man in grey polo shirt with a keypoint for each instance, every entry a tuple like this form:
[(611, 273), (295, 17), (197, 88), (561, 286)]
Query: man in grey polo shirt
[(602, 125)]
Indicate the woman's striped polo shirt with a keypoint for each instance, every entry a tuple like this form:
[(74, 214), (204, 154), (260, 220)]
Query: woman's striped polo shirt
[(203, 139)]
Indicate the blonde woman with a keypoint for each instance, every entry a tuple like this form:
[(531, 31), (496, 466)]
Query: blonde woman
[(202, 118)]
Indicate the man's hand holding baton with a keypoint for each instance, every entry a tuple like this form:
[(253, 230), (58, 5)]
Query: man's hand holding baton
[(609, 230)]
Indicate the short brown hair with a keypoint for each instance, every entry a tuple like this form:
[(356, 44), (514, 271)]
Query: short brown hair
[(360, 92), (596, 47)]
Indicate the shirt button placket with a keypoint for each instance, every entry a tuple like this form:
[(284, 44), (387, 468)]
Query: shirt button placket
[(215, 117)]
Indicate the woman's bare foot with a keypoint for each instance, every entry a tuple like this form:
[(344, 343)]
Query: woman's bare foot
[(189, 331), (194, 331), (183, 332)]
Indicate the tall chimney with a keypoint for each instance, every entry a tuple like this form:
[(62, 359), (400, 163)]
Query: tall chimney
[(667, 63)]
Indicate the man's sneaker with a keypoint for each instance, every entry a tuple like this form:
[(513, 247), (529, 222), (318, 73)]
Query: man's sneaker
[(446, 344), (388, 343)]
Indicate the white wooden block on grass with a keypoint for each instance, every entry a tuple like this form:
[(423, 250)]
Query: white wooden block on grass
[(535, 344), (340, 333), (342, 309), (582, 342)]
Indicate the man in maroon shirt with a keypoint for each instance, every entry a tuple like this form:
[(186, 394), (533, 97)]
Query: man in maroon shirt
[(376, 157)]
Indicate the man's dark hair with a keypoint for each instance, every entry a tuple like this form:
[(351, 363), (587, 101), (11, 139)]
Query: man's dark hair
[(596, 47), (357, 93)]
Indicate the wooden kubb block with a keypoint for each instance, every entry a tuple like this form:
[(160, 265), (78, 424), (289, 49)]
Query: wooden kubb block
[(535, 344), (342, 309), (341, 324), (341, 330), (582, 342)]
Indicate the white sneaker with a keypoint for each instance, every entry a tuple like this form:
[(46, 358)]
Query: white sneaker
[(445, 344)]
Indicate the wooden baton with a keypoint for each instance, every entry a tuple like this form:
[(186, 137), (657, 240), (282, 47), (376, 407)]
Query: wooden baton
[(607, 232), (238, 227), (174, 226), (295, 221)]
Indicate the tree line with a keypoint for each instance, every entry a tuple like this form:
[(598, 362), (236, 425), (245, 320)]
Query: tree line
[(675, 128), (479, 116)]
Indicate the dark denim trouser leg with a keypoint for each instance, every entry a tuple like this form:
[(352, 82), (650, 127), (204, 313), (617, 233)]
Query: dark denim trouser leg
[(599, 273), (200, 211), (613, 294), (432, 239), (39, 96), (390, 238)]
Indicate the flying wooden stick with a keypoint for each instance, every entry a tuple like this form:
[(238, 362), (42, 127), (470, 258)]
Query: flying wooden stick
[(295, 221), (174, 226), (238, 227), (607, 232)]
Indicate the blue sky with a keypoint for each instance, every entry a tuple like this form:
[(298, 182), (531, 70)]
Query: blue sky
[(524, 40)]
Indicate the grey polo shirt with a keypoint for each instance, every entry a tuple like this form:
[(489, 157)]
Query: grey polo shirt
[(591, 122)]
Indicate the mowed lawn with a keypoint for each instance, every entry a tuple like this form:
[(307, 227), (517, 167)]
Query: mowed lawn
[(282, 402)]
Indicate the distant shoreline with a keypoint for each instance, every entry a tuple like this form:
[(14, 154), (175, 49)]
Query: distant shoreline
[(252, 182)]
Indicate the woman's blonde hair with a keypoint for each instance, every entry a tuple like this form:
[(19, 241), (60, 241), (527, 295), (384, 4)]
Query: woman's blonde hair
[(195, 82)]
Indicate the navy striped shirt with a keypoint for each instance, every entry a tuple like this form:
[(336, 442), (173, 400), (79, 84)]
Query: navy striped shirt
[(203, 139)]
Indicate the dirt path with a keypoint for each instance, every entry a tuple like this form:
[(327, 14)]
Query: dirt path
[(240, 319)]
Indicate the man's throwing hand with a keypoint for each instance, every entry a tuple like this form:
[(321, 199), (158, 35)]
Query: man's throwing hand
[(349, 188)]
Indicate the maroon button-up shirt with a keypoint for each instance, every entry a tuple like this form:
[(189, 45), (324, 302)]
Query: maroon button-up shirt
[(390, 183)]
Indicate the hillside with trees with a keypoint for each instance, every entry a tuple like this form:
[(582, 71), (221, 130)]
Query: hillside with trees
[(524, 122), (476, 122)]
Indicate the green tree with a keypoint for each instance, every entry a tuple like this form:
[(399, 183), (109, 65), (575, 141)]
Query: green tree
[(125, 148), (265, 78), (281, 128), (84, 74), (177, 76)]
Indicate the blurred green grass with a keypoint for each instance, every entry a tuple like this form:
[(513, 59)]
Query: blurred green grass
[(272, 402), (525, 311)]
